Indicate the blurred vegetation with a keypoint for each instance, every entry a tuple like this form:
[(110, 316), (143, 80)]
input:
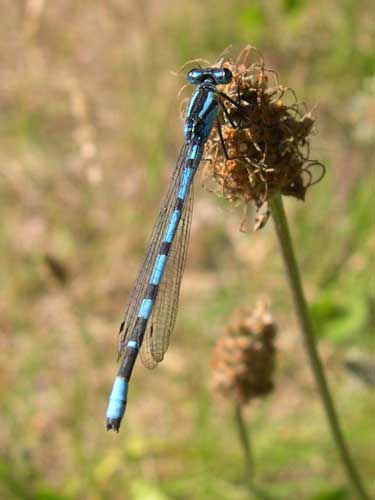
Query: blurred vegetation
[(89, 133)]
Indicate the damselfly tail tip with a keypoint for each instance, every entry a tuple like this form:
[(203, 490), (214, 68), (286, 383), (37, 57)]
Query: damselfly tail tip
[(113, 424), (117, 403)]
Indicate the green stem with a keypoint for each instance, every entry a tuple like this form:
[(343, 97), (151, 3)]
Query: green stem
[(245, 442), (243, 434), (307, 330)]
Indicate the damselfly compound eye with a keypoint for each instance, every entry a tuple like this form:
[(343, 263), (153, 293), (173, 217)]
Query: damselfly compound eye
[(196, 76), (222, 76)]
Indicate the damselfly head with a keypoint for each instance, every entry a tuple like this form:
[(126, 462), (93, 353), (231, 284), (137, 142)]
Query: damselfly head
[(220, 76)]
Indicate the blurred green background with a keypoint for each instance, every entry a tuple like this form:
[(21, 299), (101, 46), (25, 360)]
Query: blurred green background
[(89, 132)]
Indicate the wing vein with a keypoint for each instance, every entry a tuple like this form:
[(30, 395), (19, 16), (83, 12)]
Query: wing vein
[(144, 273), (162, 321)]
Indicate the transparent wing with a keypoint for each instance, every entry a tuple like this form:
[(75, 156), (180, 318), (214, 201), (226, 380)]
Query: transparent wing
[(144, 274), (161, 323)]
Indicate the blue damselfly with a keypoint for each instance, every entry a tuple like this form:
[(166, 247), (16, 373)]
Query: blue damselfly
[(152, 308)]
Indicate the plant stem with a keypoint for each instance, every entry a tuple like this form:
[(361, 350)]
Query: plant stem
[(245, 442), (307, 330), (243, 434)]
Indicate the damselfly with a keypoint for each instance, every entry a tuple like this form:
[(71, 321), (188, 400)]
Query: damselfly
[(152, 308)]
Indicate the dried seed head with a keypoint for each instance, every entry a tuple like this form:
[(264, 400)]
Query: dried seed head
[(269, 150), (243, 361)]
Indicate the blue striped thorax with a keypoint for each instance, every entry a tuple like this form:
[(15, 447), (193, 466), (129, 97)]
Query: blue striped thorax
[(204, 104)]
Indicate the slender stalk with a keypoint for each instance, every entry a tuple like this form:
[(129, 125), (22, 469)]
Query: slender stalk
[(292, 271), (245, 442), (243, 434)]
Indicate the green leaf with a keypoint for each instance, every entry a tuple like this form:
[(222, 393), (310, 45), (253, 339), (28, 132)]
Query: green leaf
[(339, 316), (332, 494)]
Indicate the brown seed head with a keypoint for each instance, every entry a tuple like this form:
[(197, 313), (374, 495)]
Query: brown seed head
[(243, 361), (269, 150)]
